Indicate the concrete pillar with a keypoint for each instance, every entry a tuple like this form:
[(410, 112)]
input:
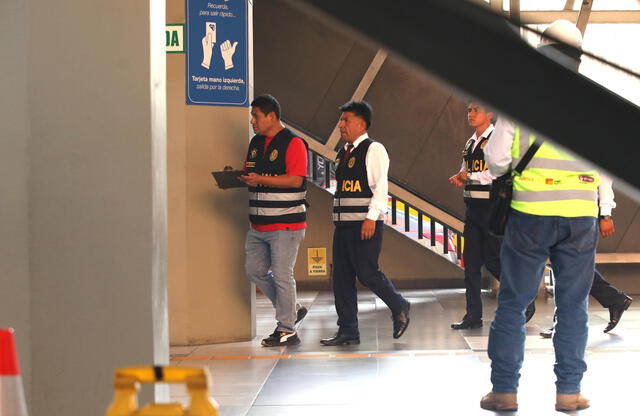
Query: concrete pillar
[(14, 175), (97, 197), (210, 299)]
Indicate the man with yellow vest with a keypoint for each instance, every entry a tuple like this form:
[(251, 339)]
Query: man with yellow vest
[(554, 212)]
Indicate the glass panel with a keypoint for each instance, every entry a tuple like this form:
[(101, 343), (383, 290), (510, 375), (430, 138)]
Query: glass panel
[(611, 42), (615, 44)]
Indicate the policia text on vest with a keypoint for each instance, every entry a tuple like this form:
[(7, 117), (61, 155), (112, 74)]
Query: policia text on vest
[(351, 200)]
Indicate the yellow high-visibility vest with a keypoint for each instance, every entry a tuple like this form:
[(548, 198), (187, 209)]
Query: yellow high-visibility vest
[(554, 182)]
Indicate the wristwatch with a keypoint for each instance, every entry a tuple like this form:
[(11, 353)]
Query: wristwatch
[(605, 217)]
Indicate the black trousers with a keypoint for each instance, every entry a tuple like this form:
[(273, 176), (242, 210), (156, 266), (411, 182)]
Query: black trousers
[(480, 248), (353, 257), (604, 293)]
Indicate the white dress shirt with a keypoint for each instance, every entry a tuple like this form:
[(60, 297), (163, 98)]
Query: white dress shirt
[(485, 177), (606, 198), (377, 162), (497, 154)]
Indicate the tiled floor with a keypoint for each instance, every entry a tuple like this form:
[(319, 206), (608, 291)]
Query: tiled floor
[(431, 370)]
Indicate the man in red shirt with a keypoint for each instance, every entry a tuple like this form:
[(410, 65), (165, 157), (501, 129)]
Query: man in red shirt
[(276, 166)]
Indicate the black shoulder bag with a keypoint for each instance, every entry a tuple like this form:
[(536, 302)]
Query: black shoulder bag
[(502, 191)]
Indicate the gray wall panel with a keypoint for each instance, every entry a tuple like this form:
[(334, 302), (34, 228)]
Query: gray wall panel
[(441, 156), (406, 109), (341, 90), (622, 276), (630, 236), (296, 59), (424, 128)]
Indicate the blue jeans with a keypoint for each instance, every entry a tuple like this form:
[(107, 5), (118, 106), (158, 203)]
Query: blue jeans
[(270, 257), (529, 241)]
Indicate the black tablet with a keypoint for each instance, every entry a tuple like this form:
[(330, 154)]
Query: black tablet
[(229, 178)]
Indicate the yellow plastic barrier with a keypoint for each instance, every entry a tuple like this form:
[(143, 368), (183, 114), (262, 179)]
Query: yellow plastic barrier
[(127, 383)]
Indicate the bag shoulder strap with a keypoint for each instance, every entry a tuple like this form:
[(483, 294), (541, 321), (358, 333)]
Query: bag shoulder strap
[(528, 156)]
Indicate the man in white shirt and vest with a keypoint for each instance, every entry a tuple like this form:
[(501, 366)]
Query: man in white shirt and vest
[(359, 208), (480, 247), (554, 212)]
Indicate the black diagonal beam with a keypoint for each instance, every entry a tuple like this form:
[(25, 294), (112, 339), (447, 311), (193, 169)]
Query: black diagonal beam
[(479, 53)]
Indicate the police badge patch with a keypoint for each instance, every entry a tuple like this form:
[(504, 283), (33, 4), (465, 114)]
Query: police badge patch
[(352, 161), (483, 144), (274, 155), (253, 154), (467, 147)]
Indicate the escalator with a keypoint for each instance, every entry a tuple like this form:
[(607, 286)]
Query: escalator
[(313, 66)]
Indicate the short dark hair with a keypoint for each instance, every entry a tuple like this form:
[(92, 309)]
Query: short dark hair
[(485, 107), (361, 109), (267, 104)]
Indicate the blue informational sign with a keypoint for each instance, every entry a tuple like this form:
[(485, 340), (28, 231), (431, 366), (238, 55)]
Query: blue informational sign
[(217, 52)]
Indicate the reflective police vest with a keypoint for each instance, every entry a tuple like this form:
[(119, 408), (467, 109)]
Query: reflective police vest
[(353, 194), (474, 162), (554, 182), (269, 205)]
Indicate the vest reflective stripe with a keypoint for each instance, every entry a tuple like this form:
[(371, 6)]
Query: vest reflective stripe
[(271, 212), (553, 183), (556, 164), (350, 209), (566, 206), (474, 162), (273, 205), (280, 196), (351, 203), (474, 189), (342, 202), (476, 194), (349, 216), (556, 195)]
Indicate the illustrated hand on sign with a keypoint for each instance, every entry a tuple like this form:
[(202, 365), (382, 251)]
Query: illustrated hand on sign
[(208, 42), (227, 53)]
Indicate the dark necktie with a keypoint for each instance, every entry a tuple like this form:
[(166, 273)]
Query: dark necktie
[(348, 152)]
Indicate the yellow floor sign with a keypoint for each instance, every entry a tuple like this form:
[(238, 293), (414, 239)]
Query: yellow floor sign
[(317, 261)]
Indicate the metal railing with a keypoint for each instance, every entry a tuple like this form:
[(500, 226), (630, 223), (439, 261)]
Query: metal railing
[(412, 221)]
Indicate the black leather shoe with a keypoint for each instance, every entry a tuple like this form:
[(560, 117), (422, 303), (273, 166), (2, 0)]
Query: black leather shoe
[(467, 323), (615, 313), (341, 339), (300, 314), (401, 322), (547, 333), (531, 310)]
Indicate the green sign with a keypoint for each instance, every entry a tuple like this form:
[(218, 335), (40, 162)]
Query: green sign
[(174, 38)]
